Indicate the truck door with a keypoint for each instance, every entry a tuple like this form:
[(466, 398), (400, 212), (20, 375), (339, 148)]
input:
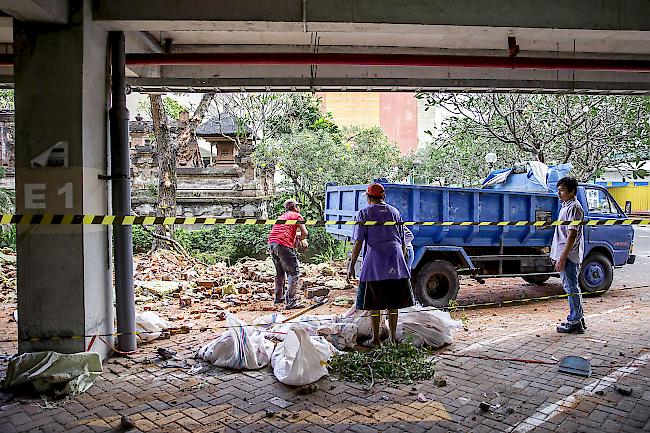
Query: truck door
[(600, 206)]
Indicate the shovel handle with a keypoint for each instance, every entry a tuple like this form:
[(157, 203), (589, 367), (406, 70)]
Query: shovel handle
[(301, 312)]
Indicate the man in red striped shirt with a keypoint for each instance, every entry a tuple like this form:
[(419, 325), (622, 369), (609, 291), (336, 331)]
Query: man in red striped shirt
[(282, 239)]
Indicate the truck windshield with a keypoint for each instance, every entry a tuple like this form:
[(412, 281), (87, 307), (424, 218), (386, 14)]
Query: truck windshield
[(599, 202)]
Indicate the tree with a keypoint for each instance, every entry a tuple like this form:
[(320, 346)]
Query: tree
[(310, 158), (166, 169), (591, 132), (456, 157), (263, 116), (188, 147)]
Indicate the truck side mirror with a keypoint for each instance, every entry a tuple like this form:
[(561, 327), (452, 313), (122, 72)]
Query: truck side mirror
[(628, 207)]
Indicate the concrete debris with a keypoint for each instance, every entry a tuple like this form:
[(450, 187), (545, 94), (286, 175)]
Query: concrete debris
[(336, 284), (157, 288), (316, 291), (212, 289), (485, 407), (127, 423), (440, 381), (343, 301), (624, 390), (165, 354)]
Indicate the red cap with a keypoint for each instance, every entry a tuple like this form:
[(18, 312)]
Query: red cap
[(375, 190)]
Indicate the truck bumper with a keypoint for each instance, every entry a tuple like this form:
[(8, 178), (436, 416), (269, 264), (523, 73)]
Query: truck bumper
[(631, 259)]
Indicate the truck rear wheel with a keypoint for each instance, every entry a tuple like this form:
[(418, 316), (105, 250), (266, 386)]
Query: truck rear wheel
[(596, 274), (536, 279), (436, 284)]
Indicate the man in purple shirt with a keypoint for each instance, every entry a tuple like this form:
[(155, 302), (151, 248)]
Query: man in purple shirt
[(384, 283)]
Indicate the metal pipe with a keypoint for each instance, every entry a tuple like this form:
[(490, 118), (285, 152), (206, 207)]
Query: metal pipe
[(189, 59), (121, 187)]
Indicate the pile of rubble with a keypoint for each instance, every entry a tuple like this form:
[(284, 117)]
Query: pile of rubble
[(167, 278), (8, 277)]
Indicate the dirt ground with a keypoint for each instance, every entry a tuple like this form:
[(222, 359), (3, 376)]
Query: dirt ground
[(194, 295), (485, 392)]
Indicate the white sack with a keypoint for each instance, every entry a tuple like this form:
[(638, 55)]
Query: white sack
[(300, 359), (426, 326), (240, 347), (341, 335), (151, 325)]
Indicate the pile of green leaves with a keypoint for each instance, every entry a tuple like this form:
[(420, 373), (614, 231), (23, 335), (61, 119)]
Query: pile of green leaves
[(394, 363)]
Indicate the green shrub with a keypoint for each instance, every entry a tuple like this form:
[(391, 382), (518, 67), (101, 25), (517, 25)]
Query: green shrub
[(142, 240), (231, 242), (323, 247), (249, 241), (8, 237)]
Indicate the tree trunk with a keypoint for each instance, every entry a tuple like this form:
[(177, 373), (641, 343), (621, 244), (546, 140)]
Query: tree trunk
[(189, 154), (166, 170)]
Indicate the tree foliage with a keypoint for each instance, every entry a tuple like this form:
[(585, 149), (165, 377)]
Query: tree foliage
[(591, 132), (173, 108), (6, 99), (310, 158)]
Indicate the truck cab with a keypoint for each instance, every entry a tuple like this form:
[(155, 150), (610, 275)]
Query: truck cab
[(605, 246)]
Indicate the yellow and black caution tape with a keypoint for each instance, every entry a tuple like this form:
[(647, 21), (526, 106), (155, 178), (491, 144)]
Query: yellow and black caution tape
[(126, 220), (185, 330)]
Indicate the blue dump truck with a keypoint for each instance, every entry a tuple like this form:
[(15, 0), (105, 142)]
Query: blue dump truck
[(442, 253)]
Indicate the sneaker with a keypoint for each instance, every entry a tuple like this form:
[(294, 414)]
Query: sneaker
[(570, 328), (584, 325), (294, 306)]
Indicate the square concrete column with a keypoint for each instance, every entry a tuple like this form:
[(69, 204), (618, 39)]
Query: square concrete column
[(64, 271)]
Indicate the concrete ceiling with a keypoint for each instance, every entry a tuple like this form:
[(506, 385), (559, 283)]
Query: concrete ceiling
[(577, 29)]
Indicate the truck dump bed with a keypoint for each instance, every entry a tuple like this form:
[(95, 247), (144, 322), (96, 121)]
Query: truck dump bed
[(429, 203)]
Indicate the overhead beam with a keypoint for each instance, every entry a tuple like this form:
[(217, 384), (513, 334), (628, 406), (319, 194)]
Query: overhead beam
[(325, 84), (617, 15), (43, 11)]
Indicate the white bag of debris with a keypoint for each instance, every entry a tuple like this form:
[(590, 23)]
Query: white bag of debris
[(64, 374), (149, 326), (300, 359), (240, 347), (268, 322), (362, 319), (310, 323), (426, 326), (341, 335)]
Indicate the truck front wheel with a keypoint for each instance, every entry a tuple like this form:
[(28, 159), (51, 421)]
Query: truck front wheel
[(596, 274), (436, 284)]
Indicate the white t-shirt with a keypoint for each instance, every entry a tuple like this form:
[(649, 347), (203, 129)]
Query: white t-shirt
[(408, 237), (570, 210)]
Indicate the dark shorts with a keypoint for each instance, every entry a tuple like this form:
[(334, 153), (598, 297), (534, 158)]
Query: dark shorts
[(385, 294)]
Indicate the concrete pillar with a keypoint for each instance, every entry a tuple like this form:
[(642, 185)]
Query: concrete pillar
[(64, 272)]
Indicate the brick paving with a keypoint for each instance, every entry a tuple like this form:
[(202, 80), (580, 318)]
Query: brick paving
[(523, 397)]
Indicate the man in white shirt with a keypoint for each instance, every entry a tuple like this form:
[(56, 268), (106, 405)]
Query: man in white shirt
[(566, 252)]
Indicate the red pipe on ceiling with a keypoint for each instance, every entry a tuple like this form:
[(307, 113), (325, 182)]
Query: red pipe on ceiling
[(196, 59)]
